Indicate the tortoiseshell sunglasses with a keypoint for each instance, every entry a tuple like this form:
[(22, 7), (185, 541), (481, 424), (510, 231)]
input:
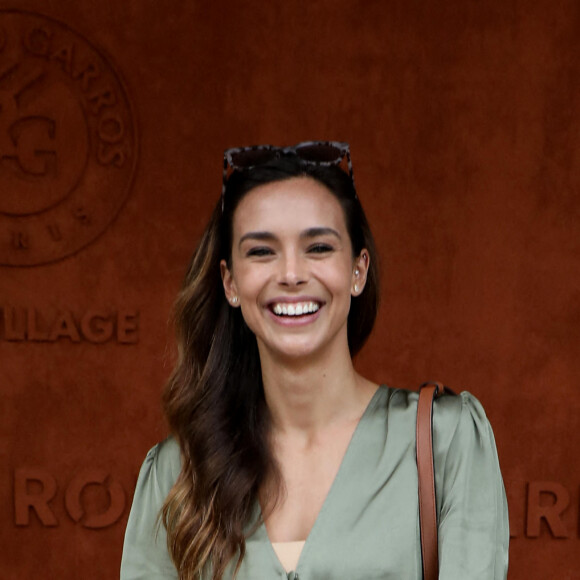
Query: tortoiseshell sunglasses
[(315, 152)]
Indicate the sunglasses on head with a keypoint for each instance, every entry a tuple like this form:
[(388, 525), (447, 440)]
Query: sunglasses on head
[(323, 153)]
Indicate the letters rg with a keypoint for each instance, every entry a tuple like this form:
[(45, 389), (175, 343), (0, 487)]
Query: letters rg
[(26, 141)]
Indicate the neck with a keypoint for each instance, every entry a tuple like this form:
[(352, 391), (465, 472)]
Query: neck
[(308, 395)]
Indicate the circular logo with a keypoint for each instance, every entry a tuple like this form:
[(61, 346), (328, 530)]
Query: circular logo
[(68, 142)]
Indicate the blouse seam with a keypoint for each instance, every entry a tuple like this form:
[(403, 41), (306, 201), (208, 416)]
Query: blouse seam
[(497, 500), (444, 466)]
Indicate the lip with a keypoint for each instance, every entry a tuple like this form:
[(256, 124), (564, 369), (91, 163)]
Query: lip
[(294, 321), (294, 300)]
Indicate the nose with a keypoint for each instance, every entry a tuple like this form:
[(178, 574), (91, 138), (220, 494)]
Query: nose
[(293, 270)]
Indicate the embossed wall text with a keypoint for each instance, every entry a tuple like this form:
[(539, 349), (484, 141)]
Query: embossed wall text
[(540, 509), (95, 325), (35, 490), (68, 145)]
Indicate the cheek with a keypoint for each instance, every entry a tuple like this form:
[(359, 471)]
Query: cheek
[(250, 281), (339, 279)]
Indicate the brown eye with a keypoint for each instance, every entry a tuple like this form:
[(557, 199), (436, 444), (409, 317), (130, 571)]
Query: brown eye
[(320, 249), (261, 251)]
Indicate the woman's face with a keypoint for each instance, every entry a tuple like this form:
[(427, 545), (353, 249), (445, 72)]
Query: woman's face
[(292, 269)]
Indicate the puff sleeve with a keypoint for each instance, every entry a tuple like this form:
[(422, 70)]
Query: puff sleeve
[(145, 555), (471, 500)]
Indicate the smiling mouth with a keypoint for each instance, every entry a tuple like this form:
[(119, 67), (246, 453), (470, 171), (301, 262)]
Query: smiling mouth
[(295, 309)]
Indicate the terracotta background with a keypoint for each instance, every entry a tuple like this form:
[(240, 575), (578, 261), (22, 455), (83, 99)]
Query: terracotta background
[(464, 122)]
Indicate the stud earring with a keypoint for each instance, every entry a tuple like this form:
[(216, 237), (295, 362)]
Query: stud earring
[(356, 287), (234, 299), (356, 272)]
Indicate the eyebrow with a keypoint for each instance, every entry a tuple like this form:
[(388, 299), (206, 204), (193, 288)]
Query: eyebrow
[(316, 232), (306, 234)]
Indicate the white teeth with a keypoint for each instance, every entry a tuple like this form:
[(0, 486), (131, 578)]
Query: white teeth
[(297, 309)]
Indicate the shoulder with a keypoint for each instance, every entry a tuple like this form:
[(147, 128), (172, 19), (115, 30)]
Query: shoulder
[(448, 406), (452, 414), (145, 553), (165, 454), (459, 421), (162, 464)]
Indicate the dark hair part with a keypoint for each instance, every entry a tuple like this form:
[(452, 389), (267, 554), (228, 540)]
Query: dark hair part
[(214, 399)]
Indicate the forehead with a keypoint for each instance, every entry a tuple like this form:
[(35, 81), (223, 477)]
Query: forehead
[(293, 204)]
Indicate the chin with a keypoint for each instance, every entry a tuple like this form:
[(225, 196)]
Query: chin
[(295, 352)]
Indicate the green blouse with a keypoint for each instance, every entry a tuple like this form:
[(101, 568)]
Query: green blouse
[(368, 526)]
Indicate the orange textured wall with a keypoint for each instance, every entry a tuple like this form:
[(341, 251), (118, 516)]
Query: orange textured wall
[(464, 122)]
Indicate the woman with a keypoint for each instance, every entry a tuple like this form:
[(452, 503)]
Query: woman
[(285, 462)]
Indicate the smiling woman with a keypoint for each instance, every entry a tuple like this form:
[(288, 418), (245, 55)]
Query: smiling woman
[(284, 462), (293, 268)]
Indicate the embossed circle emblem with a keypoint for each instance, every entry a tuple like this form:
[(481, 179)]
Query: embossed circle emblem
[(68, 143)]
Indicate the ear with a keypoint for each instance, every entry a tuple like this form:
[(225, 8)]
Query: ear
[(229, 283), (360, 271)]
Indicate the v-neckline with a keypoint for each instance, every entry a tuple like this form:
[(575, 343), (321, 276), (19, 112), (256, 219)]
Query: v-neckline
[(331, 491)]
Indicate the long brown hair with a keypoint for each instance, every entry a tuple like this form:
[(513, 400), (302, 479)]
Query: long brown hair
[(214, 400)]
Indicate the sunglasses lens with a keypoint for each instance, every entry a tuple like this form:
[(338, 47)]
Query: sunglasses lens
[(247, 158), (310, 152), (320, 153)]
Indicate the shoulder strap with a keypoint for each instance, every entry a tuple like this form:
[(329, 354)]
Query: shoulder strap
[(427, 505)]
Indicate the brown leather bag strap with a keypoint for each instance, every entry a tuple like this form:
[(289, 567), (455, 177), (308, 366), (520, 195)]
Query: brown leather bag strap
[(425, 466)]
